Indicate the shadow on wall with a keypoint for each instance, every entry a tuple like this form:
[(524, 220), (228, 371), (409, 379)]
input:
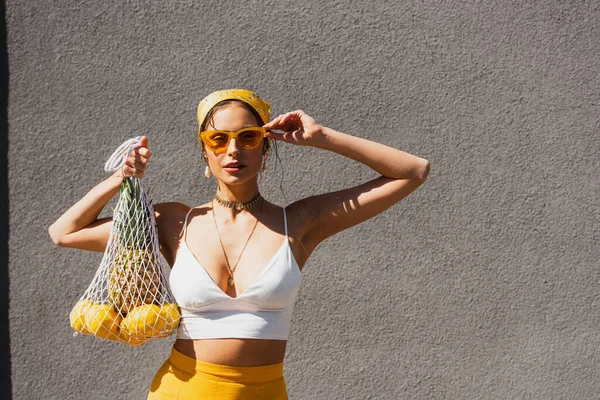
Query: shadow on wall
[(5, 378)]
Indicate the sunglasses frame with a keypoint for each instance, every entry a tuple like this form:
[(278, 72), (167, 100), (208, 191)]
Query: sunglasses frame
[(231, 135)]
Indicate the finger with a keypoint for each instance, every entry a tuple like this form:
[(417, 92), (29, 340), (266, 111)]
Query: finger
[(139, 172), (131, 152), (288, 122), (278, 135), (291, 125), (287, 117), (140, 166), (270, 124), (140, 158), (128, 171), (293, 115), (136, 158), (133, 168), (274, 122), (145, 152), (293, 136), (293, 119), (144, 141)]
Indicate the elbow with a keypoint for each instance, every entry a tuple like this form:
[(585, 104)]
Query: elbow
[(423, 171), (56, 238)]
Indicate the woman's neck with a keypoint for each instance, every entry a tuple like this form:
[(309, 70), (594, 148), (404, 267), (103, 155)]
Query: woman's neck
[(238, 193), (235, 200)]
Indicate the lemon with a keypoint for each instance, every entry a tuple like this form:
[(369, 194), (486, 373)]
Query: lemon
[(168, 320), (131, 340), (169, 316), (141, 321), (102, 321), (77, 316)]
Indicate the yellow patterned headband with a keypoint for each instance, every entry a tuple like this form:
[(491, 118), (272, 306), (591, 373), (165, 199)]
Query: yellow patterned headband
[(252, 99)]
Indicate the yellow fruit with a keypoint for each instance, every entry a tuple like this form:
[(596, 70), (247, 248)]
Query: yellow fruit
[(77, 316), (169, 315), (141, 321), (168, 320), (130, 340), (103, 321)]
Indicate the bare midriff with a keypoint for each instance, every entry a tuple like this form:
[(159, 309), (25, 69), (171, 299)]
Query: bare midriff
[(236, 352)]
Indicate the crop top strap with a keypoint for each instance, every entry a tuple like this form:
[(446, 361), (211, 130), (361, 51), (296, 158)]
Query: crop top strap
[(289, 252), (285, 223), (185, 223)]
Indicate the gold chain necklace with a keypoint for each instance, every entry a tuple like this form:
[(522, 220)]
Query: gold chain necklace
[(231, 281), (238, 206)]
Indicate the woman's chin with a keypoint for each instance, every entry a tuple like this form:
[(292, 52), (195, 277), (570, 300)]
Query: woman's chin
[(236, 177)]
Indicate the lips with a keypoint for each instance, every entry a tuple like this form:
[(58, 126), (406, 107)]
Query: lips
[(233, 167)]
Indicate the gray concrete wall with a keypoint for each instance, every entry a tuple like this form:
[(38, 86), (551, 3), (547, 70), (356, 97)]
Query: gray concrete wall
[(483, 284)]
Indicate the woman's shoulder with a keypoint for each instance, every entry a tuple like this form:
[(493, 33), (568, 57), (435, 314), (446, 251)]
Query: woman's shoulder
[(169, 218), (169, 210), (299, 213)]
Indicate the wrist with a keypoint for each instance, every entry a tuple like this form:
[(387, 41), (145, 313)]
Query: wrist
[(118, 175), (323, 139)]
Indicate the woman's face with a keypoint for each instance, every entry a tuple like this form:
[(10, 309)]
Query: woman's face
[(235, 165)]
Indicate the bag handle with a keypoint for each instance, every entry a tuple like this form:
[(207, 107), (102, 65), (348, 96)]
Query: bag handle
[(115, 161)]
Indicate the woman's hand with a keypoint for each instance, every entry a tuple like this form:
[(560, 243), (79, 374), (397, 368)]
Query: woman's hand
[(299, 128), (136, 163)]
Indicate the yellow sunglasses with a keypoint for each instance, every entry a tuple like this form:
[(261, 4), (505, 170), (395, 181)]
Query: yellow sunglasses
[(248, 138)]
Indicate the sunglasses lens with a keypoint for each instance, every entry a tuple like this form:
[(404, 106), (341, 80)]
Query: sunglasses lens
[(250, 138), (216, 140)]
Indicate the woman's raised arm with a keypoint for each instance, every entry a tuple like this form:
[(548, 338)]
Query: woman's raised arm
[(327, 214), (79, 227)]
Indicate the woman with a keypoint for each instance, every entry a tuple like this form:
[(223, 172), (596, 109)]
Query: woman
[(236, 260)]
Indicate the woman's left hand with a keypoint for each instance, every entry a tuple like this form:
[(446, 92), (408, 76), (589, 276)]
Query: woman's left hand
[(299, 128)]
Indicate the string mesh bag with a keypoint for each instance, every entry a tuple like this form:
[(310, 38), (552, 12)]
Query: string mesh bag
[(128, 300)]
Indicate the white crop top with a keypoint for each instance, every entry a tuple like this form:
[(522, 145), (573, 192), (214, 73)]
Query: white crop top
[(263, 311)]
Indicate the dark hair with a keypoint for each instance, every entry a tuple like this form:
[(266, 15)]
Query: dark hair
[(222, 104)]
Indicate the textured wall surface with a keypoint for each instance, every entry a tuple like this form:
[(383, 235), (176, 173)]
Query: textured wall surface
[(483, 284)]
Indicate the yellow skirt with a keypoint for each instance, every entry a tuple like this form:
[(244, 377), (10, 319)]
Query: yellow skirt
[(182, 377)]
